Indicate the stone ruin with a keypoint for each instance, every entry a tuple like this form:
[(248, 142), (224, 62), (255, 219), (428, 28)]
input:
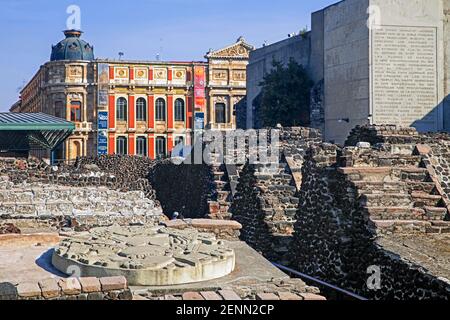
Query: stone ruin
[(337, 212), (332, 212), (145, 255), (34, 195), (111, 216)]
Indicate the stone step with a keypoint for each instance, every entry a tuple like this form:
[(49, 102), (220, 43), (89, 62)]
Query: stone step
[(379, 186), (385, 200), (219, 175), (422, 199), (369, 174), (435, 213), (415, 175), (435, 227), (220, 185), (289, 188), (223, 195), (396, 213), (426, 187)]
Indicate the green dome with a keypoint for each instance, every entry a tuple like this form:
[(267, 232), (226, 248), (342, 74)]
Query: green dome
[(72, 48)]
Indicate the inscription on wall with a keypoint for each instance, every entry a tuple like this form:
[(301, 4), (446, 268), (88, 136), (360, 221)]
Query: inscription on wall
[(404, 73)]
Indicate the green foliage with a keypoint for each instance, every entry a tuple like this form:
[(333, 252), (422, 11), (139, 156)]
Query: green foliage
[(285, 96)]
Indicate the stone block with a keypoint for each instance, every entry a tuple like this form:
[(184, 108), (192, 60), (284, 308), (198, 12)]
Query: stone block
[(267, 297), (229, 295), (423, 149), (312, 297), (210, 295), (50, 288), (29, 290), (289, 296), (192, 296), (90, 284), (113, 283), (70, 286)]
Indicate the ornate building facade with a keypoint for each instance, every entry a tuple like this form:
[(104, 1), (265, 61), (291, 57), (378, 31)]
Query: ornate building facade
[(227, 83), (135, 107)]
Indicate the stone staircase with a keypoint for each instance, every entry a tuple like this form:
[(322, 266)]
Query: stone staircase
[(220, 202), (266, 205), (278, 197), (398, 197)]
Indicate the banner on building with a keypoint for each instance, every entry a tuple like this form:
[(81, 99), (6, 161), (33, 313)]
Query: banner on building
[(103, 120), (199, 97), (102, 126), (199, 121), (102, 143), (103, 85)]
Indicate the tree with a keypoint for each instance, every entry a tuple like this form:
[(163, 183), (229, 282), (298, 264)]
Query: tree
[(285, 96)]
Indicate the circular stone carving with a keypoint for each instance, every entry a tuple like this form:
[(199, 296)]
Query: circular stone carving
[(146, 256)]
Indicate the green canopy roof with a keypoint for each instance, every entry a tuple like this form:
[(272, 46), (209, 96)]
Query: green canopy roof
[(27, 131)]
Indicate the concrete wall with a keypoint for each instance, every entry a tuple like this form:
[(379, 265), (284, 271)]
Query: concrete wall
[(346, 68), (446, 19), (316, 68), (414, 64), (260, 64)]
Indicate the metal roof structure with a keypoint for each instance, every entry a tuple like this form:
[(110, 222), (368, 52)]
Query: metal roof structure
[(30, 131)]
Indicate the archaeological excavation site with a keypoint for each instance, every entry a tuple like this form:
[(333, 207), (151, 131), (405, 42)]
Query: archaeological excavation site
[(368, 220)]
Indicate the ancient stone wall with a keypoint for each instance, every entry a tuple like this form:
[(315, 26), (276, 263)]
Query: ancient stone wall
[(337, 240), (375, 134), (223, 229), (266, 198), (183, 188), (35, 195), (440, 160), (106, 288)]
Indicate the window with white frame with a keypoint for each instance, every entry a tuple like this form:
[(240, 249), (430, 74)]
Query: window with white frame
[(121, 146), (220, 113), (141, 146), (179, 110), (121, 109), (161, 147), (141, 109), (160, 106)]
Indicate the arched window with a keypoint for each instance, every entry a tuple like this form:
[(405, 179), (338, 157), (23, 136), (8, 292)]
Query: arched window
[(75, 111), (160, 114), (141, 109), (121, 146), (220, 113), (141, 146), (121, 109), (179, 110), (161, 147)]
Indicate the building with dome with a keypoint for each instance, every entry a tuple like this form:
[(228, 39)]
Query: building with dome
[(135, 107)]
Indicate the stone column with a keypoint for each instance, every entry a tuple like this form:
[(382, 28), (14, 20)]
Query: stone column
[(212, 118)]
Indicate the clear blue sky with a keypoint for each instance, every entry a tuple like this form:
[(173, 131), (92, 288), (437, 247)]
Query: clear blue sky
[(184, 29)]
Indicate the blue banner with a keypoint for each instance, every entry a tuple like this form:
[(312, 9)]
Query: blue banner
[(102, 145), (199, 120), (102, 120)]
